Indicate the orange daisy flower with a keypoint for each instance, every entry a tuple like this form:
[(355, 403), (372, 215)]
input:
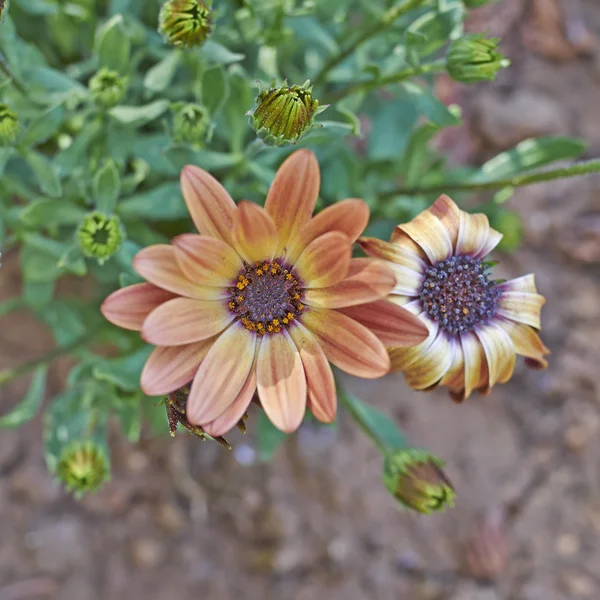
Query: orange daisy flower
[(262, 300), (476, 325)]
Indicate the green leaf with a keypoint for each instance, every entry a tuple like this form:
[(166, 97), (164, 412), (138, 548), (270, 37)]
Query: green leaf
[(106, 187), (54, 86), (45, 173), (530, 154), (181, 155), (129, 412), (29, 406), (269, 438), (139, 115), (37, 266), (5, 155), (125, 371), (163, 203), (37, 294), (47, 212), (159, 77), (416, 152), (73, 261), (69, 320), (233, 122), (429, 106), (112, 45), (434, 29), (43, 127), (392, 125), (216, 54), (214, 90)]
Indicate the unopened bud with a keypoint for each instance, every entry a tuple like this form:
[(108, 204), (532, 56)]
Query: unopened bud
[(9, 126), (83, 467), (107, 88), (185, 23), (100, 236), (190, 123), (474, 58)]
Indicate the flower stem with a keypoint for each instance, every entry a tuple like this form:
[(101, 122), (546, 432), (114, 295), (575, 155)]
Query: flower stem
[(582, 168), (438, 66), (8, 375), (386, 20), (9, 74)]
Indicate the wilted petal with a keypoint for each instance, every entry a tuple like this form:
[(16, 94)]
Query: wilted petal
[(431, 365), (254, 233), (445, 209), (523, 307), (281, 381), (184, 320), (455, 376), (526, 341), (393, 253), (402, 240), (129, 306), (403, 357), (430, 234), (325, 261), (525, 283), (499, 352), (476, 371), (472, 235)]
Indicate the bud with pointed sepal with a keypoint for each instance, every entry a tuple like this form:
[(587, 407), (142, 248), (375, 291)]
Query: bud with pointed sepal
[(474, 58), (107, 88), (83, 467), (185, 23), (190, 123), (9, 126), (100, 236)]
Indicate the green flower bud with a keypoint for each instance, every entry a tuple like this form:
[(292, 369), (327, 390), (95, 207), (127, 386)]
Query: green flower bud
[(415, 478), (107, 87), (100, 236), (190, 123), (474, 58), (185, 23), (9, 126), (83, 467)]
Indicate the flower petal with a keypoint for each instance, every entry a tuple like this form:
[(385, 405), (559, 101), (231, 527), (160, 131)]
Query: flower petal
[(159, 266), (393, 253), (526, 341), (325, 261), (525, 283), (281, 381), (446, 210), (523, 307), (499, 352), (170, 367), (348, 344), (322, 395), (254, 233), (404, 241), (129, 306), (392, 324), (408, 282), (455, 376), (430, 234), (184, 320), (493, 239), (222, 375), (235, 411), (206, 260), (476, 370), (293, 195), (403, 357), (431, 365), (472, 235), (367, 280), (349, 217)]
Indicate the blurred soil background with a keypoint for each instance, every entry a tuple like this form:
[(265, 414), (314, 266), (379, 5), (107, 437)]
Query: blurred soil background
[(184, 519)]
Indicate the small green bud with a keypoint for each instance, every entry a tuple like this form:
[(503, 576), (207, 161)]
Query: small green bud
[(282, 115), (9, 126), (474, 58), (190, 123), (100, 236), (415, 478), (83, 467), (185, 23), (108, 88)]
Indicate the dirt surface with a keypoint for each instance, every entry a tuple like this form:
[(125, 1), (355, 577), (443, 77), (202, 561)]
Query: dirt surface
[(185, 519)]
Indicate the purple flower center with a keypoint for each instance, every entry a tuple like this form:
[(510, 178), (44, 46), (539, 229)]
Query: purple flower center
[(459, 294)]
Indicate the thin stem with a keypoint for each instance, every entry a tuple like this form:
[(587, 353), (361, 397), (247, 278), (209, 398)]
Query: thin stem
[(388, 18), (582, 168), (7, 375), (438, 66), (9, 74)]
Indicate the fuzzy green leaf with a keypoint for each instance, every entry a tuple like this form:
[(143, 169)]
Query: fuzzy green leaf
[(106, 187), (139, 115), (29, 406), (45, 173), (112, 45)]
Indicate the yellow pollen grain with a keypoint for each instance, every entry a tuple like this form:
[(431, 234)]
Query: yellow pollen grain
[(232, 305), (240, 298), (270, 328), (285, 320), (300, 306), (275, 322), (288, 276), (290, 316), (259, 272), (296, 296), (465, 311), (277, 329)]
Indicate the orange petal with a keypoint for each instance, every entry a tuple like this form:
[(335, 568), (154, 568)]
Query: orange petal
[(445, 209), (208, 202), (281, 381), (348, 344), (403, 357), (349, 217), (367, 280), (431, 234), (169, 368), (207, 260), (159, 266), (129, 306), (525, 283), (322, 395), (392, 324), (254, 233), (499, 352), (472, 235), (222, 375), (235, 411), (293, 195), (523, 307), (476, 371), (526, 341), (431, 365), (325, 261), (184, 320), (392, 252)]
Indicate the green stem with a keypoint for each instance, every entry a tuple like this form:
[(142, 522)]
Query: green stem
[(9, 74), (7, 375), (438, 66), (355, 414), (388, 18), (582, 168)]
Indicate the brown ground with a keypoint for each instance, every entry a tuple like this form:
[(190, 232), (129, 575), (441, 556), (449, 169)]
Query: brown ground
[(182, 518)]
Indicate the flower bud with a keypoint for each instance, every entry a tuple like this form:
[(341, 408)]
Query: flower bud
[(83, 467), (100, 236), (9, 126), (107, 88), (415, 478), (474, 58), (190, 123), (185, 23), (282, 115)]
